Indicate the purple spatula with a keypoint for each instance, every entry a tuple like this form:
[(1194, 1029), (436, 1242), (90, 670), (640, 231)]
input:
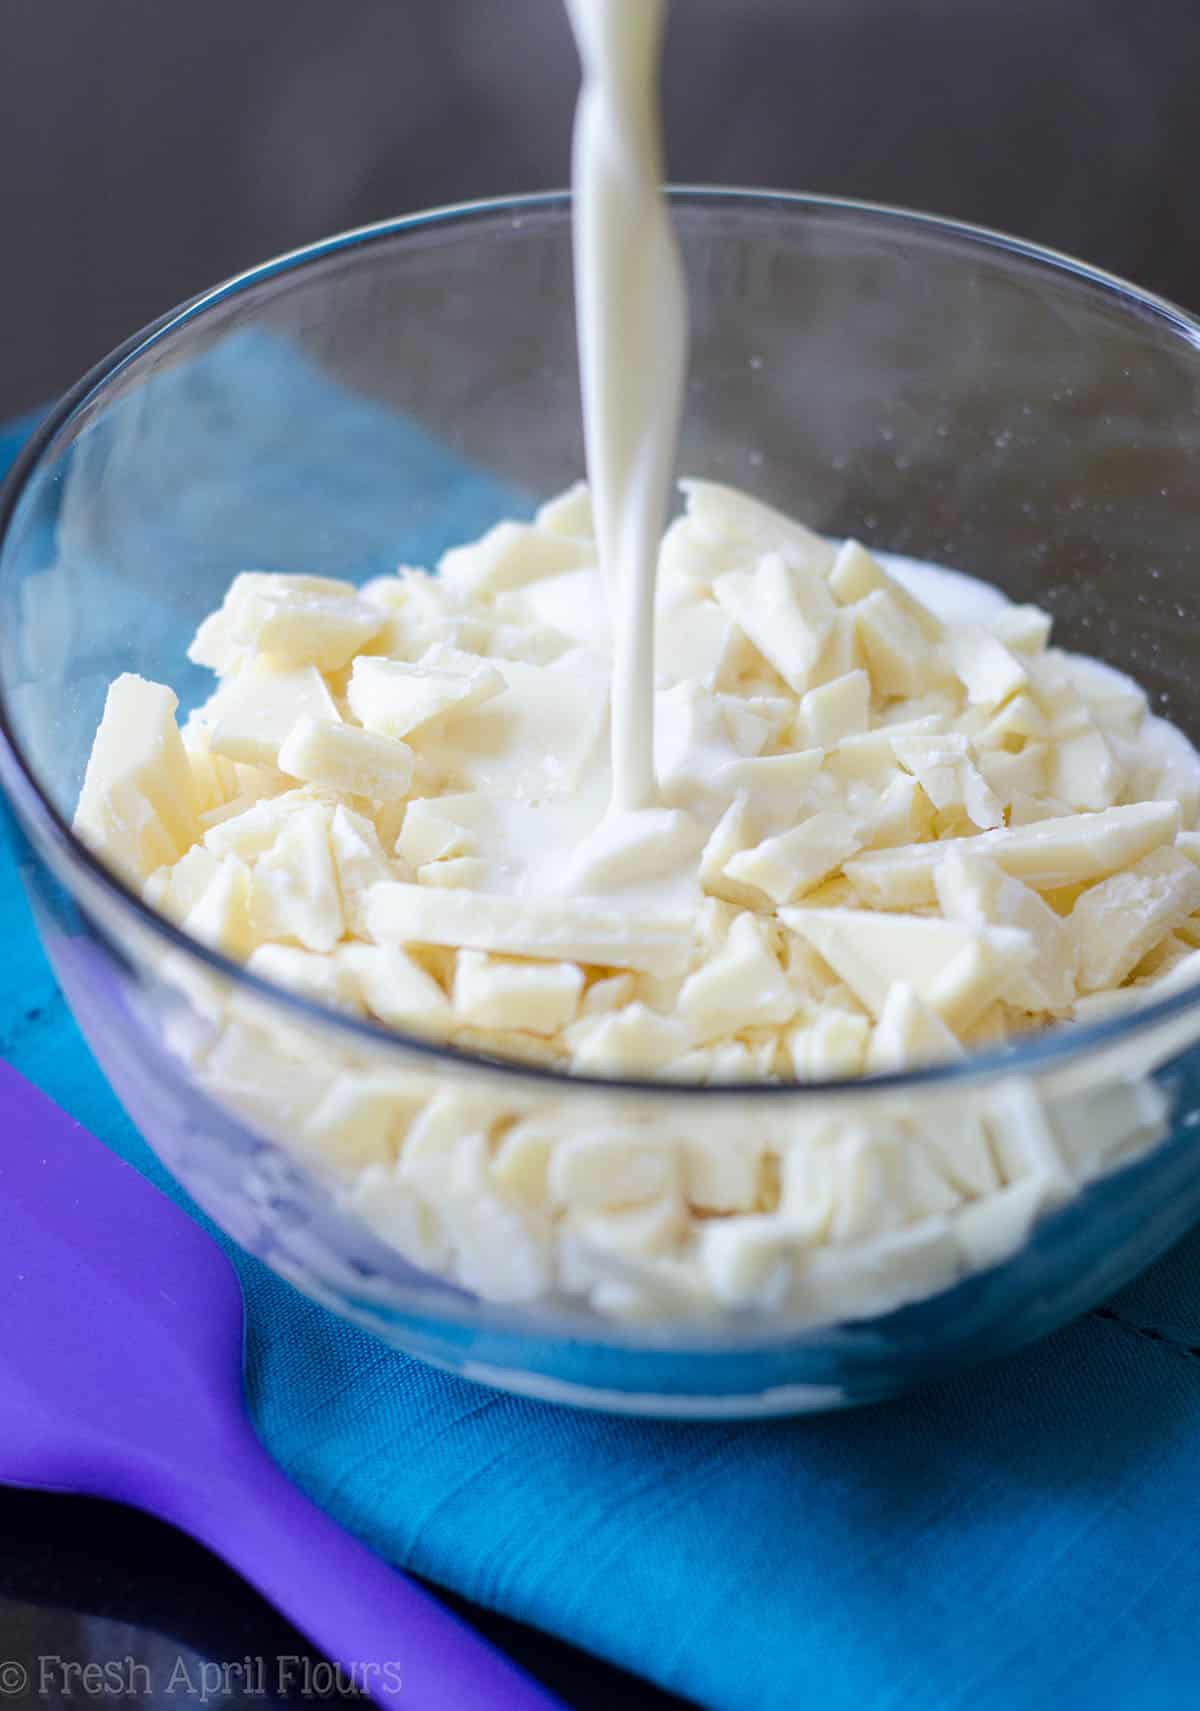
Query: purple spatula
[(121, 1377)]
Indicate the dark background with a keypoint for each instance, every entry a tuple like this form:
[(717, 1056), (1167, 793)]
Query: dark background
[(149, 148)]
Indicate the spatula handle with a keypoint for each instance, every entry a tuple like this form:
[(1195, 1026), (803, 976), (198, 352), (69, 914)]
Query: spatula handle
[(393, 1639)]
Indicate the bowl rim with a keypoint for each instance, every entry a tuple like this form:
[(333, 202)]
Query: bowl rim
[(1042, 1049)]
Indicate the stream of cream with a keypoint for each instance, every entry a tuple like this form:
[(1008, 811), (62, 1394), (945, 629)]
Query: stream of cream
[(631, 310)]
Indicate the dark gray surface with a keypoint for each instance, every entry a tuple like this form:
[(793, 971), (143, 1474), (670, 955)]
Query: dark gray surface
[(148, 149)]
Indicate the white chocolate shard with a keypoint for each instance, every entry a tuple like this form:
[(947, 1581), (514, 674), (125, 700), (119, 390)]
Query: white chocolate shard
[(342, 758), (871, 952), (743, 986), (786, 610), (1117, 922), (830, 1046), (988, 671), (393, 986), (972, 887), (295, 897), (838, 709), (396, 697), (568, 513), (578, 931), (909, 1034), (137, 807), (251, 715), (632, 1041), (719, 517), (1066, 850), (534, 997), (789, 864), (857, 574), (944, 766), (510, 555)]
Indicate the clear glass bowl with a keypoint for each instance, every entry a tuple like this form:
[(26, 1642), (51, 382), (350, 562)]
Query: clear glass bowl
[(934, 390)]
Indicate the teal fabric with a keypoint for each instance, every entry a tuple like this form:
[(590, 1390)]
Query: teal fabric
[(1025, 1537)]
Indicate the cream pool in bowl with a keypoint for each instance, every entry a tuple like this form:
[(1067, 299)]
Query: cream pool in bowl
[(782, 1234)]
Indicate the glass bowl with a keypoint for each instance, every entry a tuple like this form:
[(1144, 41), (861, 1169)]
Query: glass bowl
[(934, 390)]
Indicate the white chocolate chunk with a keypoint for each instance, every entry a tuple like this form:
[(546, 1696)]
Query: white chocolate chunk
[(299, 620), (899, 658), (989, 673), (460, 873), (838, 709), (510, 555), (360, 862), (137, 807), (1024, 629), (791, 863), (857, 574), (973, 888), (1117, 922), (395, 697), (178, 886), (944, 768), (909, 1033), (221, 914), (294, 896), (575, 930), (602, 1169), (721, 516), (832, 1045), (250, 716), (786, 610), (393, 986), (1023, 1140), (535, 997), (632, 1041), (320, 977), (743, 986), (568, 513), (341, 758), (440, 828), (360, 1121), (870, 952), (1051, 853), (250, 832)]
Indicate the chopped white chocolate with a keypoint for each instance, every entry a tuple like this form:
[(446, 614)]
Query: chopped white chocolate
[(742, 986), (791, 863), (341, 758), (1049, 854), (887, 826), (138, 805), (839, 708), (295, 897), (578, 930), (785, 609), (972, 887), (987, 670), (871, 952), (395, 697), (394, 987), (511, 554), (945, 769), (291, 620), (1118, 921), (535, 997), (251, 715), (909, 1032)]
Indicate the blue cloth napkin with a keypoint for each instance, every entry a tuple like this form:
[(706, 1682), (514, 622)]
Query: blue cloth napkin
[(1025, 1537)]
